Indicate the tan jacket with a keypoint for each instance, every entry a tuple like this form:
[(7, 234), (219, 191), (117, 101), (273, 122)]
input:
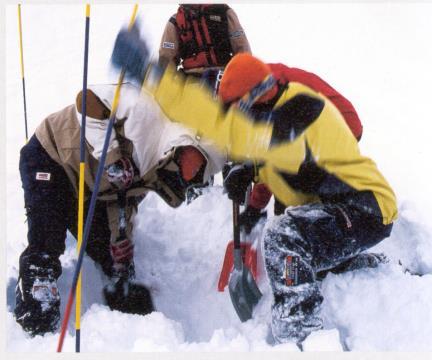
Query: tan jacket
[(141, 132), (169, 45)]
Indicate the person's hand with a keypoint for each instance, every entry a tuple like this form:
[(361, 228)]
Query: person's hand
[(122, 251), (237, 181), (250, 217), (131, 53), (121, 173)]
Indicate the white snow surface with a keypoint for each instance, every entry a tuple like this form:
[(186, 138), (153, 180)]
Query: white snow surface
[(378, 55)]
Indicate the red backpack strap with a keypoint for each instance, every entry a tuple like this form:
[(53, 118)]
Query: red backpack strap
[(183, 25), (279, 72), (203, 35), (284, 74), (191, 44), (215, 26), (207, 40)]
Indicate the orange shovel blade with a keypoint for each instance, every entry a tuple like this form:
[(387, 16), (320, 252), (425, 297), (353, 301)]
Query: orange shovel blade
[(249, 256)]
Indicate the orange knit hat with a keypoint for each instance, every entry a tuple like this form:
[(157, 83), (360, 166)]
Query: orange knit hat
[(243, 73)]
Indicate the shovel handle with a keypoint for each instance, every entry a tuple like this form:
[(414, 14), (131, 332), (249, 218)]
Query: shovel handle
[(236, 226), (129, 272), (121, 200)]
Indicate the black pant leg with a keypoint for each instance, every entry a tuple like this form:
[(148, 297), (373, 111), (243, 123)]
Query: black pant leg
[(48, 197), (335, 233), (301, 242)]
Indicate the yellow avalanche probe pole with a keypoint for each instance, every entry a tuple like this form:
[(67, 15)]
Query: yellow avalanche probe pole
[(22, 70), (77, 272), (81, 181)]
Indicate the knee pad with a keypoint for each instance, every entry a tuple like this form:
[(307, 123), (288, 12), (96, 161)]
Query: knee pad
[(287, 261), (282, 232)]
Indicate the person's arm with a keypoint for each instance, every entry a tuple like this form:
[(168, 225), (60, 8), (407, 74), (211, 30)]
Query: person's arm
[(168, 49), (189, 103), (119, 165), (238, 39), (260, 196), (122, 249)]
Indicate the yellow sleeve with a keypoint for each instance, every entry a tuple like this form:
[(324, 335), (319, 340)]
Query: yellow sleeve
[(189, 103), (282, 191)]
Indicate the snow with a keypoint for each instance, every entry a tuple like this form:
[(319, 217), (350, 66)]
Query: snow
[(377, 307), (378, 55)]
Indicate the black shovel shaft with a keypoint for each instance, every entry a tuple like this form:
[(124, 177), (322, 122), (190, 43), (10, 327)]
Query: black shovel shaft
[(129, 273), (243, 290), (121, 201), (236, 226)]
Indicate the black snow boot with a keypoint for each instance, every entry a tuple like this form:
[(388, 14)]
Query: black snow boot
[(37, 307)]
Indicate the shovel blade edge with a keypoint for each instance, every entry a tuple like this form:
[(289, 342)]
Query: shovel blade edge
[(244, 293), (249, 257)]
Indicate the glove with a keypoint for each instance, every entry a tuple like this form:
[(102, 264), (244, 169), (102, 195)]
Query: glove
[(131, 53), (121, 173), (250, 217), (237, 181), (122, 251)]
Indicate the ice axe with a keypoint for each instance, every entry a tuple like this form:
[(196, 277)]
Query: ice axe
[(125, 294), (242, 287)]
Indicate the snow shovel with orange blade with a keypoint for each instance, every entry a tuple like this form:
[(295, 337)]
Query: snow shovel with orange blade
[(249, 257), (243, 289), (248, 254)]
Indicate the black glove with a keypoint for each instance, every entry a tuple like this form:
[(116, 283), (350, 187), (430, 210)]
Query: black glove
[(121, 173), (226, 169), (131, 53), (237, 181), (250, 217)]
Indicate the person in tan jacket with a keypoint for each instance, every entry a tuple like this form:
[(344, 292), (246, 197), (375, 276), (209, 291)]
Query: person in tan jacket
[(200, 37), (146, 152)]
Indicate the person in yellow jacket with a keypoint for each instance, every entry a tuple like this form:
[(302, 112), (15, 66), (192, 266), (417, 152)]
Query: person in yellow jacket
[(339, 204)]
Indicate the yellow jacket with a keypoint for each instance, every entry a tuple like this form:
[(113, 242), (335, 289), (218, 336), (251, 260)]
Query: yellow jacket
[(308, 151)]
